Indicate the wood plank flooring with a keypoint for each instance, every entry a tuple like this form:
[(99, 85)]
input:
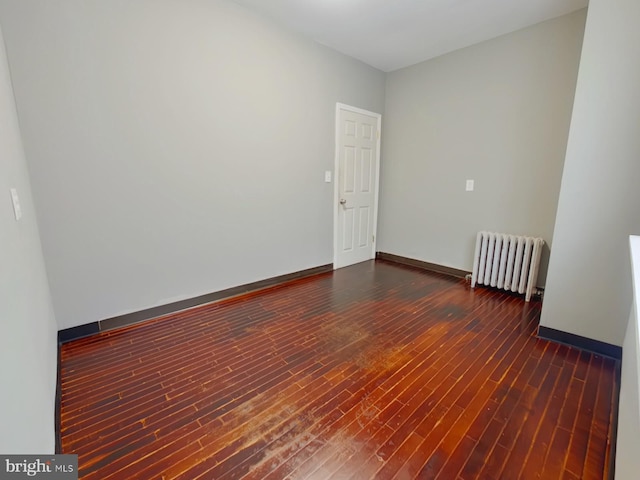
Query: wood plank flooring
[(375, 371)]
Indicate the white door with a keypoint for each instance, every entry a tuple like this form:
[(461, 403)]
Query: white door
[(356, 191)]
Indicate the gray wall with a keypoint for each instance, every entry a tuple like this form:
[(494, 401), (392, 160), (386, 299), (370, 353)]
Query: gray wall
[(588, 291), (497, 112), (627, 459), (28, 328), (176, 147)]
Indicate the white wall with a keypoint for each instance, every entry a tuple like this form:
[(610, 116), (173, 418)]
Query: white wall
[(627, 459), (177, 147), (28, 338), (497, 112), (588, 291)]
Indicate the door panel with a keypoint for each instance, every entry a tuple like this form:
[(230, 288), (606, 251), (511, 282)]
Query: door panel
[(347, 244), (366, 168), (365, 227), (357, 164)]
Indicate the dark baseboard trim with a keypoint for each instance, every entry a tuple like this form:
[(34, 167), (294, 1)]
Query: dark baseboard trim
[(432, 267), (81, 331), (89, 329), (583, 343)]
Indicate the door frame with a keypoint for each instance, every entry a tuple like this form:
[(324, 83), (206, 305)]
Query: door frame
[(336, 178)]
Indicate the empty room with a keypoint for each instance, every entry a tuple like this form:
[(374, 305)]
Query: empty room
[(319, 239)]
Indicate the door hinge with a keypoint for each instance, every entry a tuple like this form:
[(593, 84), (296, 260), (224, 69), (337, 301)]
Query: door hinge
[(374, 238)]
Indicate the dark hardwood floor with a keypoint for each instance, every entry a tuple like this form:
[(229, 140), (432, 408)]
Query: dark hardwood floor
[(372, 371)]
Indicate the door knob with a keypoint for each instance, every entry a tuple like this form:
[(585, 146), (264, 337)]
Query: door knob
[(343, 201)]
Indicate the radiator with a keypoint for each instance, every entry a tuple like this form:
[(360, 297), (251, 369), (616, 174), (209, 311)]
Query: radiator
[(509, 262)]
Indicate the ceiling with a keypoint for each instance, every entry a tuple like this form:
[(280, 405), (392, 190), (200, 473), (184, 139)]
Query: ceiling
[(392, 34)]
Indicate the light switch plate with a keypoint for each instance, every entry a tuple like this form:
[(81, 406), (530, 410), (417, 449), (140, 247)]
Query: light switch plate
[(469, 187), (327, 176), (17, 210)]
